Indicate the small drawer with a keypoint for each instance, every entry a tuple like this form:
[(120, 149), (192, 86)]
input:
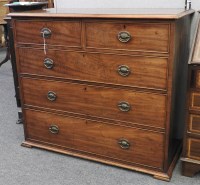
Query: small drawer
[(137, 71), (65, 33), (111, 103), (197, 81), (119, 143), (194, 123), (194, 148), (195, 101), (128, 36), (194, 75)]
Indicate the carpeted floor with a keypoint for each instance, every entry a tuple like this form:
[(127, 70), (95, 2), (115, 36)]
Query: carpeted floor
[(23, 166)]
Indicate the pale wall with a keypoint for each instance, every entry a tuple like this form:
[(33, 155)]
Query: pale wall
[(125, 4), (121, 3), (129, 4)]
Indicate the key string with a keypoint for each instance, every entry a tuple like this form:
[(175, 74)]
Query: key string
[(45, 45)]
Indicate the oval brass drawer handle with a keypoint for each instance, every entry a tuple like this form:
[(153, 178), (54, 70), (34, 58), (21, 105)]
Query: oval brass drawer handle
[(124, 144), (124, 70), (46, 33), (124, 106), (51, 96), (54, 129), (48, 63), (124, 36)]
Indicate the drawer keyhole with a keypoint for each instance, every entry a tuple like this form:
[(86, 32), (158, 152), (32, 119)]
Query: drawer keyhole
[(124, 106), (124, 36), (124, 70), (46, 33), (124, 144), (48, 63), (54, 129), (51, 96)]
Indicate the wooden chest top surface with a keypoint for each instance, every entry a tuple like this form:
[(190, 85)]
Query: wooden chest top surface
[(107, 13)]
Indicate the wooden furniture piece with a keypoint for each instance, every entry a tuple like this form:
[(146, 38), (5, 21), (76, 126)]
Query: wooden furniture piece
[(104, 84), (191, 150)]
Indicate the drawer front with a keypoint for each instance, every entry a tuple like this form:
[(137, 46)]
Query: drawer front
[(115, 142), (194, 123), (197, 81), (194, 148), (116, 104), (195, 100), (194, 73), (113, 69), (128, 36), (67, 33)]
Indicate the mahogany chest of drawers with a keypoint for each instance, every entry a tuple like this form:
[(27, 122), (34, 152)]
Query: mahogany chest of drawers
[(191, 148), (105, 85)]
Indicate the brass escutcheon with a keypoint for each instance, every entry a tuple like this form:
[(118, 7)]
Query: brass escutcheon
[(51, 96), (124, 144), (48, 63), (124, 106), (124, 70), (124, 36), (45, 33), (54, 129)]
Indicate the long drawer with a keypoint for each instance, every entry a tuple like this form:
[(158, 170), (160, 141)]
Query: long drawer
[(117, 104), (65, 33), (128, 36), (120, 143), (139, 71)]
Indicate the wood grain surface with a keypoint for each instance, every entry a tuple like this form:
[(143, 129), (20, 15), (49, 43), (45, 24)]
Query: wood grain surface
[(194, 148), (144, 36), (146, 108), (98, 138), (190, 167), (191, 147), (62, 32), (195, 100), (146, 72), (108, 13), (194, 123)]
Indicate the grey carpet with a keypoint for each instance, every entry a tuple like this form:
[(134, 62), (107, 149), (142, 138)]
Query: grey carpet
[(23, 166)]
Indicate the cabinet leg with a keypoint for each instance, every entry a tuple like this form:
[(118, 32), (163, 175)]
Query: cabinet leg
[(190, 169), (163, 178), (24, 144)]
